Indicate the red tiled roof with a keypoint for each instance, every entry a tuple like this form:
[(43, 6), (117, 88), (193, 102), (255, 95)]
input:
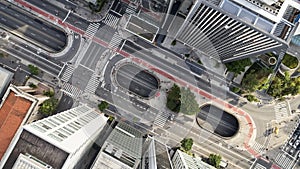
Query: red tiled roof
[(12, 113)]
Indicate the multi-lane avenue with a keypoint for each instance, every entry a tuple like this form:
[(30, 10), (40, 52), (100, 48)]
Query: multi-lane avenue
[(31, 28)]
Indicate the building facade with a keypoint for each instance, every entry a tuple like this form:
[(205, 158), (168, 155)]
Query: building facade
[(229, 30)]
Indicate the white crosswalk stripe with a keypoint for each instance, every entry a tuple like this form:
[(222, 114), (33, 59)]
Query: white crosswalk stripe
[(284, 160), (259, 166), (71, 90), (115, 41), (67, 73), (161, 119), (111, 20), (281, 111), (258, 147), (130, 10), (92, 30), (92, 84)]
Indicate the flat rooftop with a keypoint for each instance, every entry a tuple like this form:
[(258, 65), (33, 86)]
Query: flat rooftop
[(12, 114), (39, 148)]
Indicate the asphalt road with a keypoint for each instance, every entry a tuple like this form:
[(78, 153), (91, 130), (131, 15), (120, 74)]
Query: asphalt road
[(31, 28), (137, 80), (25, 52), (61, 13)]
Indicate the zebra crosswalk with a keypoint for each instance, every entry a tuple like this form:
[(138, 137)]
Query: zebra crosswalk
[(281, 111), (130, 10), (92, 30), (284, 160), (71, 90), (67, 73), (92, 84), (259, 166), (161, 119), (115, 41), (111, 20), (259, 148)]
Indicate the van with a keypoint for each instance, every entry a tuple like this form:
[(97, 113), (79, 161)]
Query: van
[(223, 164)]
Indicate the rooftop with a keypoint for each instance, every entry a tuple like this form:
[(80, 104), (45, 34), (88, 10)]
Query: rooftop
[(12, 115), (64, 129), (39, 148), (5, 78), (29, 162)]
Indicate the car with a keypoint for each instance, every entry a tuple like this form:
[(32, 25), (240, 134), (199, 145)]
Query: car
[(297, 142), (171, 117), (291, 142), (292, 151)]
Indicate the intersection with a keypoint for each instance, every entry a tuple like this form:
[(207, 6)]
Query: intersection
[(84, 77)]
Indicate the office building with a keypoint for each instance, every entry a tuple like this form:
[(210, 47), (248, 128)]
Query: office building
[(228, 30), (58, 141), (121, 150), (155, 155), (182, 160)]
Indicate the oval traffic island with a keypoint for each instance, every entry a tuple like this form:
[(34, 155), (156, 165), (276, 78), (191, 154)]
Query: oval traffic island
[(221, 122), (137, 80)]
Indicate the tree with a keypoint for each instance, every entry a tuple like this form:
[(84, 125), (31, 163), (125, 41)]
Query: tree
[(32, 85), (188, 101), (251, 98), (238, 66), (103, 105), (33, 70), (49, 93), (48, 106), (214, 160), (173, 99), (255, 78), (284, 85), (173, 43), (186, 144)]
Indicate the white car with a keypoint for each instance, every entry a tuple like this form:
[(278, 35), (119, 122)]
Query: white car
[(297, 142)]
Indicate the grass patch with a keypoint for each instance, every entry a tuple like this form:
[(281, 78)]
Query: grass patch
[(290, 61)]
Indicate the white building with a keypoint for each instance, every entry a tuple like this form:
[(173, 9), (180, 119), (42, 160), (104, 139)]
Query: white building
[(59, 140), (5, 78), (182, 160), (121, 150)]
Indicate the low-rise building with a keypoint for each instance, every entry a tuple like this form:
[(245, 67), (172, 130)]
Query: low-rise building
[(58, 141), (16, 109)]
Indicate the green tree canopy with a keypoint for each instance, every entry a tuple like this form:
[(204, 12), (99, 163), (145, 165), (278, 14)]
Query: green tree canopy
[(48, 106), (238, 66), (188, 101), (186, 144), (103, 105), (33, 70), (173, 99), (255, 78), (284, 85), (182, 100), (215, 160)]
